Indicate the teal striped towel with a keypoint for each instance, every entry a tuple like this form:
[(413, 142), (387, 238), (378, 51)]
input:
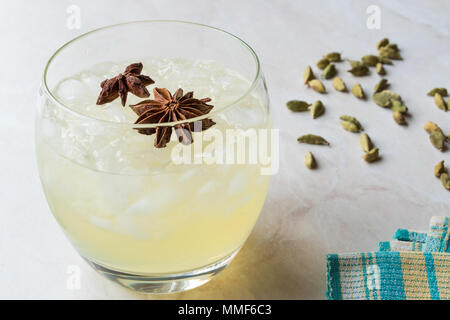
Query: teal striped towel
[(415, 265)]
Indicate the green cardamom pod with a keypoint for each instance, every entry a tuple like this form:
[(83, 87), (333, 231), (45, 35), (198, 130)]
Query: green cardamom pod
[(370, 60), (322, 63), (352, 120), (359, 71), (372, 155), (297, 105), (329, 72), (380, 69), (310, 161), (398, 106), (339, 84), (445, 180), (382, 43), (390, 53), (355, 63), (313, 139), (439, 101), (383, 98), (333, 57), (365, 142), (399, 118), (393, 46), (308, 75), (350, 126), (442, 91), (317, 86), (381, 85), (431, 127), (385, 60), (439, 169), (317, 109), (358, 92), (438, 140)]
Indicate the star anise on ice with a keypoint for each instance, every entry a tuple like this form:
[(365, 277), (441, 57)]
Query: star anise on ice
[(170, 108), (131, 80)]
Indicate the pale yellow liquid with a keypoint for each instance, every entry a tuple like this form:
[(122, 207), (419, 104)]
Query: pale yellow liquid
[(124, 205)]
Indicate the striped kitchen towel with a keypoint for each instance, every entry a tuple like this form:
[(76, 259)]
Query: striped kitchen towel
[(414, 266)]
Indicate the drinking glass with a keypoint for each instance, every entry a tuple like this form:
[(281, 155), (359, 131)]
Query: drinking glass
[(136, 213)]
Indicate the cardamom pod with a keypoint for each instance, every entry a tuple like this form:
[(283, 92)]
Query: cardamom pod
[(370, 60), (381, 85), (359, 71), (383, 98), (399, 118), (317, 109), (308, 75), (310, 161), (439, 101), (329, 72), (352, 120), (313, 139), (439, 169), (322, 63), (333, 57), (431, 127), (382, 43), (350, 126), (372, 155), (445, 180), (358, 92), (365, 142), (297, 105), (442, 91), (339, 84), (398, 106), (385, 60), (393, 46), (390, 53), (380, 69), (355, 63), (317, 86), (437, 139)]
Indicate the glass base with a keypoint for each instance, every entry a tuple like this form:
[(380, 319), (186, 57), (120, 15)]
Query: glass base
[(163, 283)]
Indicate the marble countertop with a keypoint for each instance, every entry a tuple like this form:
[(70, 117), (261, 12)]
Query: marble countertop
[(346, 205)]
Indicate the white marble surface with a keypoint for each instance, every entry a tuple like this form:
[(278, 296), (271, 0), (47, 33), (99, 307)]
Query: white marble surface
[(346, 205)]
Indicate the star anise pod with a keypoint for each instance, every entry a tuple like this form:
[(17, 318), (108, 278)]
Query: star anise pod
[(131, 80), (170, 108)]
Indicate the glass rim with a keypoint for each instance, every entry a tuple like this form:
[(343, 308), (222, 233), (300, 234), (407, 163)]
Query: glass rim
[(56, 101)]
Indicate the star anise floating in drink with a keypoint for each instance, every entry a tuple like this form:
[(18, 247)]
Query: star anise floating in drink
[(167, 107), (131, 80)]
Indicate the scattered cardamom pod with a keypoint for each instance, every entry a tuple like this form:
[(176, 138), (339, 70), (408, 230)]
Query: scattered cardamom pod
[(380, 69), (383, 98), (365, 142), (355, 63), (390, 53), (352, 120), (437, 139), (317, 85), (310, 161), (431, 127), (385, 60), (350, 126), (359, 71), (317, 109), (393, 46), (439, 169), (358, 92), (381, 85), (339, 84), (323, 63), (297, 105), (308, 75), (445, 180), (442, 91), (439, 101), (370, 60), (313, 139), (382, 43), (333, 57), (329, 72), (372, 155), (398, 106), (399, 118)]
